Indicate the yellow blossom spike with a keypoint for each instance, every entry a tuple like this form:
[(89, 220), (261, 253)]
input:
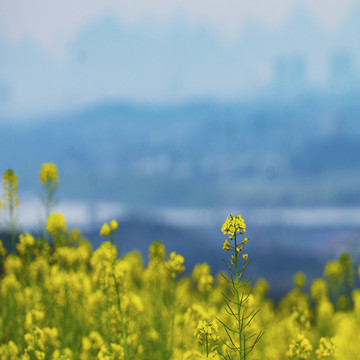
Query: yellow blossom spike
[(226, 245), (105, 230), (49, 173), (113, 225), (55, 223)]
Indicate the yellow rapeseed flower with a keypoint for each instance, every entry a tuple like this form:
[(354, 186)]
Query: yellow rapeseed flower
[(49, 173), (326, 348), (10, 177), (233, 225), (300, 348), (202, 277), (26, 241), (176, 264), (299, 279), (113, 225), (157, 251), (10, 188), (105, 230), (333, 269), (55, 223), (226, 246), (208, 329), (319, 289), (9, 351)]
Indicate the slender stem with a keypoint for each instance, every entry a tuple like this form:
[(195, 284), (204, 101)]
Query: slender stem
[(111, 238), (207, 345), (237, 280), (126, 350), (48, 205), (47, 213), (12, 224), (172, 317), (244, 348)]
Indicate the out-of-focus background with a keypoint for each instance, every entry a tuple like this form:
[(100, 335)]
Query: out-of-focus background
[(168, 115)]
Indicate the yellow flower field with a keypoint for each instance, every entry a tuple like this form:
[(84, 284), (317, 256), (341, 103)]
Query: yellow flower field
[(59, 299)]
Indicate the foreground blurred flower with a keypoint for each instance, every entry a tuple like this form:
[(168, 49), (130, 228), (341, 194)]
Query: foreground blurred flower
[(299, 348), (11, 201), (113, 225), (26, 241), (50, 180), (10, 187), (326, 348), (107, 230), (55, 223), (48, 174), (175, 264)]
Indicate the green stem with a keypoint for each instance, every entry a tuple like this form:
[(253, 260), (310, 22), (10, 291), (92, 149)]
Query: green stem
[(334, 288), (237, 280), (126, 350), (244, 347), (48, 204), (12, 225), (172, 317), (207, 345)]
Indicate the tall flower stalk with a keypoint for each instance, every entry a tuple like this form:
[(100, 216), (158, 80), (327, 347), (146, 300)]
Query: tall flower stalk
[(175, 266), (239, 341), (107, 230), (11, 201), (50, 181)]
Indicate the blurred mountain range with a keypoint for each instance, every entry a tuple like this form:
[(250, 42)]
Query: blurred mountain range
[(268, 152)]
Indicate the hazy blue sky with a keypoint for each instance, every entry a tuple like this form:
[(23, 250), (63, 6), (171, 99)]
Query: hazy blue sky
[(60, 55)]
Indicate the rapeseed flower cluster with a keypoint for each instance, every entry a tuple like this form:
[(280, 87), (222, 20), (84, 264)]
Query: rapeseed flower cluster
[(234, 226), (11, 201), (70, 302), (50, 180), (175, 264), (60, 299), (300, 348), (10, 188), (55, 224), (326, 348), (203, 278), (49, 174), (26, 242), (108, 229)]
